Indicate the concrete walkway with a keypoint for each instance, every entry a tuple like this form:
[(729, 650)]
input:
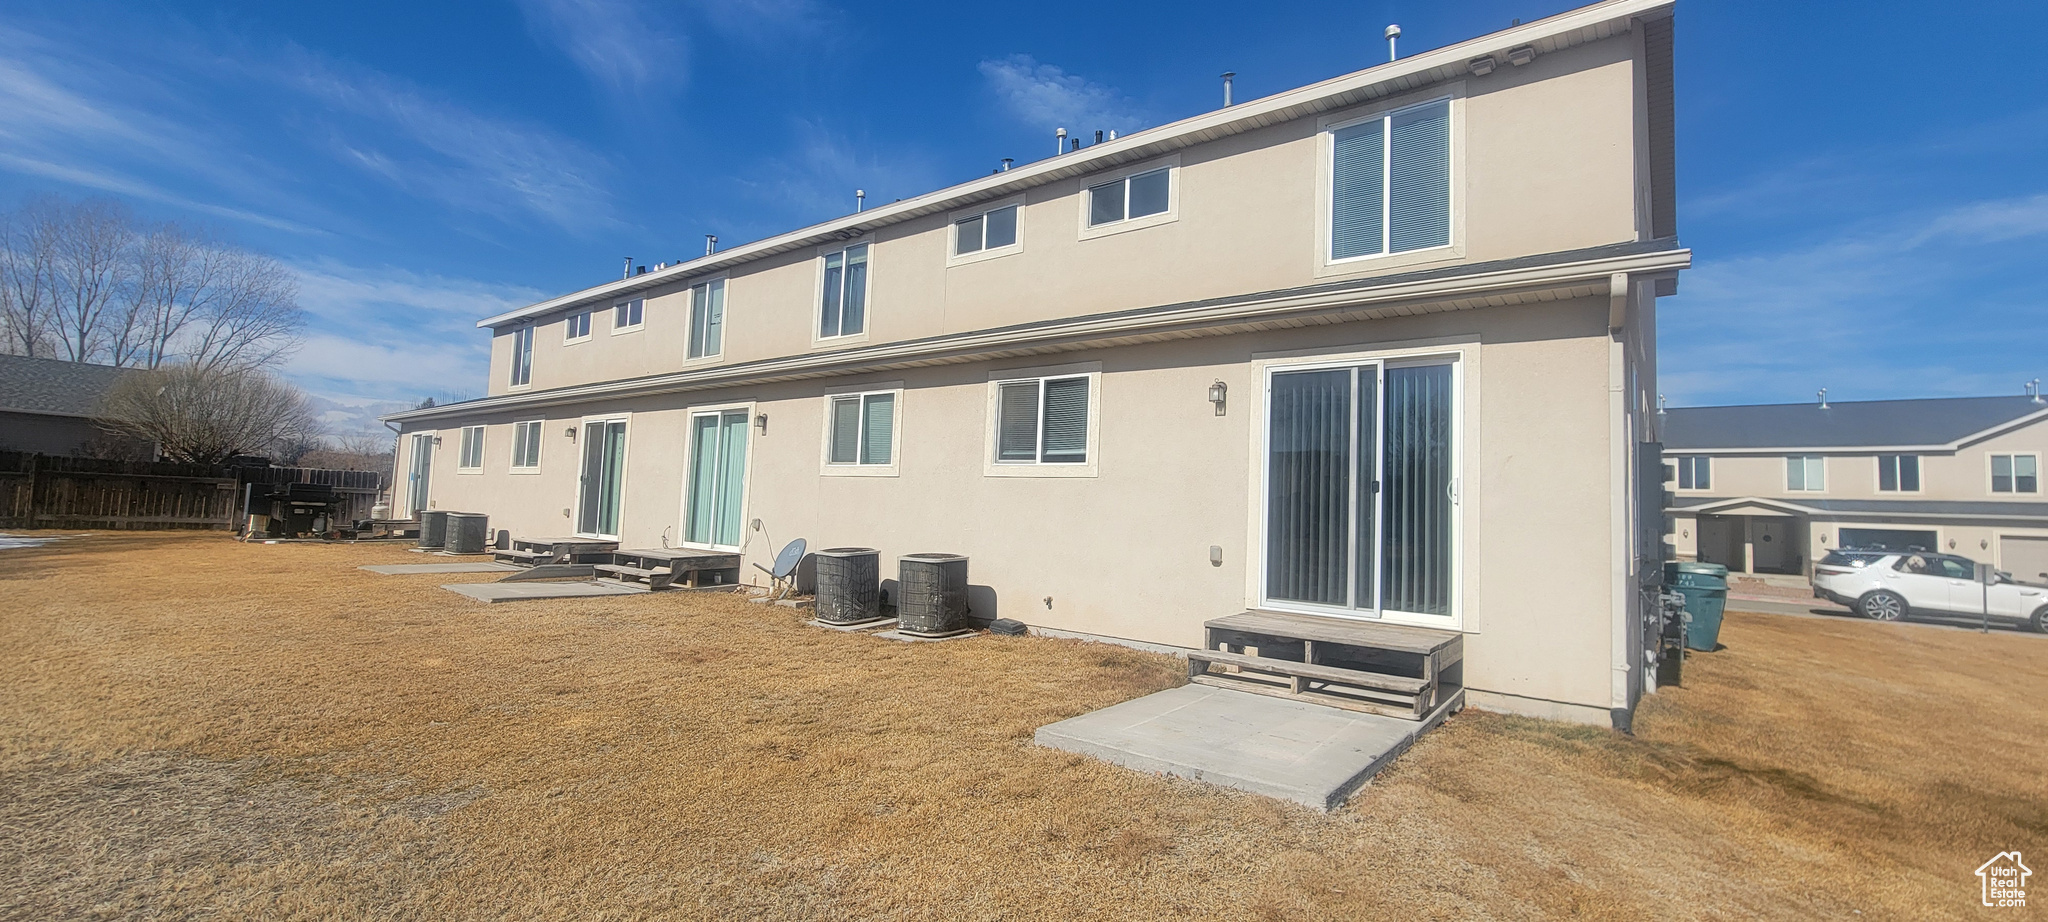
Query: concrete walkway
[(1292, 750), (521, 592)]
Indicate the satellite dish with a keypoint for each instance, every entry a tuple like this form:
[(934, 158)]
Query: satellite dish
[(785, 562)]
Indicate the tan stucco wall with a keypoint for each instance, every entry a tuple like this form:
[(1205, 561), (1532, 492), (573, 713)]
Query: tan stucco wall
[(1964, 474)]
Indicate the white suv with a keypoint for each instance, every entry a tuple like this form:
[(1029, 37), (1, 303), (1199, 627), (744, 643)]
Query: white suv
[(1890, 586)]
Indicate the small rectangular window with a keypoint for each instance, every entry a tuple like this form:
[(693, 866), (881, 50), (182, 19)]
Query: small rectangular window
[(1390, 183), (990, 230), (707, 319), (1805, 473), (862, 430), (843, 307), (577, 328), (627, 315), (522, 356), (2015, 474), (1136, 196), (1695, 472), (1042, 421), (526, 444), (1898, 473), (472, 455)]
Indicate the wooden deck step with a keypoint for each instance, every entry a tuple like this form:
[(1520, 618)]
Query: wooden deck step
[(1401, 685), (1447, 646), (624, 570)]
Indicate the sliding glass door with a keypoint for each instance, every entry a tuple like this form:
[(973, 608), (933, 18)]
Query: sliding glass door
[(604, 469), (713, 510), (420, 476), (1360, 489)]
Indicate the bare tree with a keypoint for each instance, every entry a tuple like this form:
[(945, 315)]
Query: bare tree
[(208, 415), (28, 267), (171, 270), (92, 264), (250, 314)]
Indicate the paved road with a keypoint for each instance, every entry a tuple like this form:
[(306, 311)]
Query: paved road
[(1820, 608)]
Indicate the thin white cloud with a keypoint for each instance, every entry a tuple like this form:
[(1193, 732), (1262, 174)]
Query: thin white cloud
[(817, 179), (626, 48), (1047, 97)]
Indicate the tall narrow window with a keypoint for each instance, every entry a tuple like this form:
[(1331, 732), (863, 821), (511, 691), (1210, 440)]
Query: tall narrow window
[(472, 455), (707, 319), (990, 230), (1898, 473), (603, 478), (862, 430), (577, 328), (843, 311), (1806, 473), (522, 356), (628, 315), (1134, 196), (2015, 474), (1390, 182), (717, 479), (1042, 421), (526, 444), (1695, 472)]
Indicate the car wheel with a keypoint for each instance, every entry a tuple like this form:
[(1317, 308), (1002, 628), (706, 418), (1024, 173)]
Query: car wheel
[(1882, 606), (2039, 622)]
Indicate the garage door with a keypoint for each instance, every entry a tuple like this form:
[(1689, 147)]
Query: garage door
[(2025, 558), (1889, 539)]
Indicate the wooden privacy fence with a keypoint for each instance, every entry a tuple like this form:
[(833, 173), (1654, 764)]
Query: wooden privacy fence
[(43, 491)]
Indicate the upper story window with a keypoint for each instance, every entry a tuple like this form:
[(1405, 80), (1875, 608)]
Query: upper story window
[(1695, 472), (577, 328), (522, 356), (1806, 473), (1390, 182), (707, 319), (526, 445), (628, 315), (844, 300), (861, 430), (986, 232), (1042, 420), (472, 456), (1898, 473), (1130, 197), (2015, 473)]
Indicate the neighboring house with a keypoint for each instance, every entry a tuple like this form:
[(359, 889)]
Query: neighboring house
[(53, 407), (1770, 489), (1378, 348)]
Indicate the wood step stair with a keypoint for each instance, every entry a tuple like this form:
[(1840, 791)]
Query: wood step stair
[(1341, 662)]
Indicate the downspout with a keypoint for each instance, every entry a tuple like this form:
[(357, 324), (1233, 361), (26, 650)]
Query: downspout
[(1620, 555)]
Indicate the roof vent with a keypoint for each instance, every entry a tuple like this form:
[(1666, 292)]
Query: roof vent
[(710, 244), (1823, 398), (1481, 66), (2034, 390), (1059, 141), (1226, 87), (1521, 55), (642, 271), (1393, 32), (628, 271)]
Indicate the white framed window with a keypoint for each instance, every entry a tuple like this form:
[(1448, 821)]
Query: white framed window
[(471, 458), (526, 445), (1898, 473), (715, 484), (1141, 196), (2016, 473), (1695, 472), (1389, 183), (1806, 473), (576, 328), (628, 316), (987, 232), (1042, 422), (862, 435), (707, 319), (843, 292), (522, 356)]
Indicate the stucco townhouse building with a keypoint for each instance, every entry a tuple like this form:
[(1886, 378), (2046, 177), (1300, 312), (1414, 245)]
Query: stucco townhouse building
[(1381, 348)]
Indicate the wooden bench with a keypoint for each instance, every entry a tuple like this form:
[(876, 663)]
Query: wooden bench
[(1339, 662), (662, 568)]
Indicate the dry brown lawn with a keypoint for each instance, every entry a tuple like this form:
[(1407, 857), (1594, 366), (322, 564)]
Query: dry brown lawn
[(195, 728)]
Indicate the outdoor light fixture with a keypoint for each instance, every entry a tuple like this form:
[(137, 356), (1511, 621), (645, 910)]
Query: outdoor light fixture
[(1984, 543), (437, 441), (761, 423), (1951, 544), (1217, 393), (570, 433)]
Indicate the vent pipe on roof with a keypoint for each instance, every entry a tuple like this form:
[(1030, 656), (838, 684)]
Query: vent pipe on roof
[(1660, 404), (628, 272), (1059, 141), (1006, 163), (1226, 87), (860, 200), (710, 244), (1823, 398), (1393, 32), (2034, 390)]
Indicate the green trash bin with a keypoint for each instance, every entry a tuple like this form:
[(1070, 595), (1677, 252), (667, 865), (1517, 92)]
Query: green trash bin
[(1705, 587)]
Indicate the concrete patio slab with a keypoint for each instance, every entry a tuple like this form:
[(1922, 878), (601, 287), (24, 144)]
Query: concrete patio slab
[(407, 569), (521, 592), (1292, 750)]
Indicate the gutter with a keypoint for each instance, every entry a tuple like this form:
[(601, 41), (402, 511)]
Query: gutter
[(1078, 332)]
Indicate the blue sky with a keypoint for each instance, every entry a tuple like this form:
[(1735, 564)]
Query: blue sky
[(1862, 184)]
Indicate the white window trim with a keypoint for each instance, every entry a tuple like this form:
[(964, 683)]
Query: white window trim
[(625, 468), (1877, 471), (2015, 491), (1677, 478), (540, 450), (634, 328), (1823, 474), (825, 465), (1171, 163), (746, 476), (867, 325), (1464, 356), (990, 467), (1325, 170), (981, 255), (568, 340), (482, 446), (690, 318), (514, 363)]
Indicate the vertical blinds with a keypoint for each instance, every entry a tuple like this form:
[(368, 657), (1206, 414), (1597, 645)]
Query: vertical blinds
[(732, 474), (878, 428), (1390, 189), (1066, 421), (1308, 502), (703, 478), (1416, 499)]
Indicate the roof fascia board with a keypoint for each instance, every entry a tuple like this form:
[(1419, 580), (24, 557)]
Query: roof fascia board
[(2002, 428), (1143, 144), (1079, 330)]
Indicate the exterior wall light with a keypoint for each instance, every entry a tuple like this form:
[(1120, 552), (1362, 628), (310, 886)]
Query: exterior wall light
[(1951, 544), (761, 423), (1218, 392), (570, 433), (437, 441), (1984, 544)]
